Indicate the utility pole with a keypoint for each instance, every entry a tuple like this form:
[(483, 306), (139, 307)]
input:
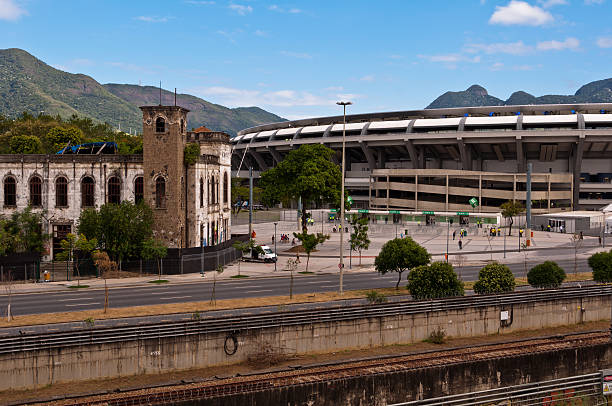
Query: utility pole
[(250, 202), (341, 264), (528, 205)]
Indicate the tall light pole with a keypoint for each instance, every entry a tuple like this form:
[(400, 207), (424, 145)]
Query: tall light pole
[(341, 264), (275, 256)]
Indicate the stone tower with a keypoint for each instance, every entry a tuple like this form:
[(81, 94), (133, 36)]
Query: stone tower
[(164, 139)]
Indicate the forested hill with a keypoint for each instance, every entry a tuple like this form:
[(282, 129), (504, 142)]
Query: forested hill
[(27, 84), (599, 91)]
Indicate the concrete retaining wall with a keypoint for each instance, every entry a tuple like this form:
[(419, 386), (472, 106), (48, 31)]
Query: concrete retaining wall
[(426, 383), (43, 367)]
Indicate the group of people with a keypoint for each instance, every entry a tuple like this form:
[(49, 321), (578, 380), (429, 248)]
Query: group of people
[(339, 229), (462, 233), (284, 238), (495, 231)]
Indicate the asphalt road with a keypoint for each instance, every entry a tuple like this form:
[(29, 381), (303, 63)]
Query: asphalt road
[(51, 302)]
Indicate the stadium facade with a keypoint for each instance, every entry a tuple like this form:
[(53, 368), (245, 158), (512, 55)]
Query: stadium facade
[(438, 159)]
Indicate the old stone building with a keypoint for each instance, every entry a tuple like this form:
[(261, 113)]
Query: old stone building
[(191, 204)]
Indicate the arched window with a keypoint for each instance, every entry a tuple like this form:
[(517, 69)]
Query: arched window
[(212, 191), (10, 192), (160, 192), (160, 125), (226, 189), (88, 198), (114, 190), (61, 192), (138, 189), (35, 192), (201, 192)]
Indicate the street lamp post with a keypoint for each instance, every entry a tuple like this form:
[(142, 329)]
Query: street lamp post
[(341, 264), (275, 255)]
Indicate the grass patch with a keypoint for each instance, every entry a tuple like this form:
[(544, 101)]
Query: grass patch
[(78, 286), (158, 281), (239, 276), (306, 272)]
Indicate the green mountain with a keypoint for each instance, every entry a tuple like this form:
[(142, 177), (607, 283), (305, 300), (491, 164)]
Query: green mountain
[(213, 116), (27, 84), (595, 92)]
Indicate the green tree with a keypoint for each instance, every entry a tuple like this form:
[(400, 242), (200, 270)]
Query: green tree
[(307, 173), (310, 242), (546, 275), (59, 137), (359, 237), (601, 264), (494, 278), (399, 255), (73, 247), (25, 144), (434, 281), (510, 209), (191, 154), (154, 250), (25, 230), (120, 229)]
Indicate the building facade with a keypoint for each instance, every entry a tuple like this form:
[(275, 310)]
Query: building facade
[(191, 204), (574, 141)]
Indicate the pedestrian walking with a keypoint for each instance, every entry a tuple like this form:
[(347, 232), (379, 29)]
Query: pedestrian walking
[(460, 244), (454, 233)]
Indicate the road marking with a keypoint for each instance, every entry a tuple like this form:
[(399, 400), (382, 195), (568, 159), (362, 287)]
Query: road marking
[(329, 286), (82, 304), (259, 291), (70, 300), (312, 282), (163, 293), (174, 297)]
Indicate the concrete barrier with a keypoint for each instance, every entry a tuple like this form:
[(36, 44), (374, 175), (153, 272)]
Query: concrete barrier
[(147, 356)]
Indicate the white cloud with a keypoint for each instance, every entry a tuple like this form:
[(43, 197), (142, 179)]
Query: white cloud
[(367, 78), (334, 88), (152, 19), (278, 9), (10, 11), (261, 33), (497, 66), (520, 13), (280, 98), (449, 58), (552, 3), (591, 2), (240, 9), (604, 42), (512, 48), (299, 55), (569, 43)]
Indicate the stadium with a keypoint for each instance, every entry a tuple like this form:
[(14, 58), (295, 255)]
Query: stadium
[(439, 159)]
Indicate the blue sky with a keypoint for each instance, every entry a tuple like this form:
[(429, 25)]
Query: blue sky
[(297, 58)]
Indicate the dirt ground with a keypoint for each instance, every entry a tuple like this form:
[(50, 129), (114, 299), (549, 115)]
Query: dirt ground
[(137, 381)]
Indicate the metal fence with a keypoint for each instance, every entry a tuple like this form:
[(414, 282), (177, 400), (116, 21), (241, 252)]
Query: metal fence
[(234, 325), (554, 392)]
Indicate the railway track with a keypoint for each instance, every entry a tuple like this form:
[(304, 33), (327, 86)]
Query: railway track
[(336, 371)]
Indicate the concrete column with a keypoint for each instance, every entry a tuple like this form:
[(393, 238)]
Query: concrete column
[(577, 169), (520, 155), (388, 195), (414, 157), (416, 192), (446, 206), (548, 194), (479, 192), (514, 187)]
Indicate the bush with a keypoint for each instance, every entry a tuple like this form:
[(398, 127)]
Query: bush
[(434, 281), (494, 278), (438, 336), (192, 153), (601, 264), (546, 275), (375, 297)]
